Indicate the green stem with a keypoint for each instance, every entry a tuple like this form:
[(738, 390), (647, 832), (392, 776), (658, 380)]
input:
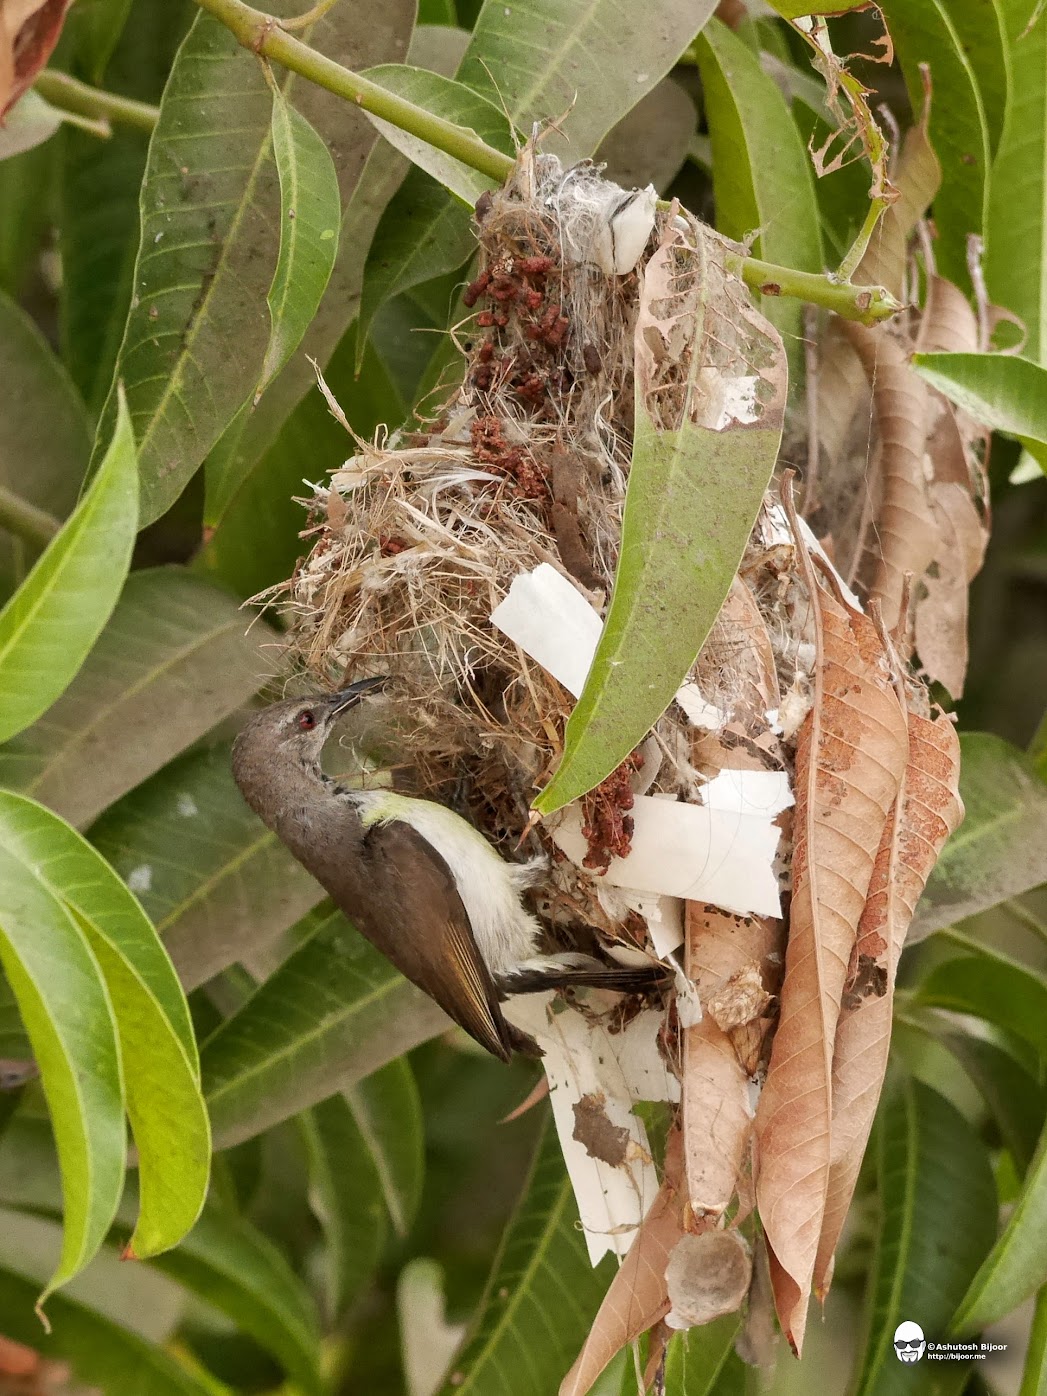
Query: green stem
[(68, 94), (262, 34), (25, 520), (866, 304), (857, 250)]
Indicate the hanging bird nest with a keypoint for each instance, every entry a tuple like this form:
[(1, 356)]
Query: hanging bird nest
[(417, 544)]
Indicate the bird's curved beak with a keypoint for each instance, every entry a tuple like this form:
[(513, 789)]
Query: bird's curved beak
[(347, 698)]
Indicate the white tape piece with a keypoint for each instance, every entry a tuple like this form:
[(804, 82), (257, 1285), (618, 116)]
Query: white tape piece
[(555, 625), (721, 852), (604, 1074)]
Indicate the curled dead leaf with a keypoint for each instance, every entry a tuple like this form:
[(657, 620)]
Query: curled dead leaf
[(850, 760), (927, 812), (904, 526)]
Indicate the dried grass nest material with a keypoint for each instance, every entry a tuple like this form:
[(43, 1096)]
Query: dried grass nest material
[(415, 544)]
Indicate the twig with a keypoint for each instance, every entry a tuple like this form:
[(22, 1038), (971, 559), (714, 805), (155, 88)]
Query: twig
[(68, 94), (25, 520), (262, 34)]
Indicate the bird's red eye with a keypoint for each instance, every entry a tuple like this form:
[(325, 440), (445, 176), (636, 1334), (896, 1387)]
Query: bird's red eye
[(307, 721)]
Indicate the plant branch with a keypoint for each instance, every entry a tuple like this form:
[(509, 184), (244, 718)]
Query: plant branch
[(263, 34), (866, 304), (68, 94), (25, 520)]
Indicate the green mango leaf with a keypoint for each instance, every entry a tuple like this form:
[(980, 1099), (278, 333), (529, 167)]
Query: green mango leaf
[(95, 27), (42, 469), (366, 1164), (423, 234), (702, 1361), (553, 59), (208, 245), (1002, 391), (67, 1012), (256, 541), (242, 451), (366, 1151), (332, 1013), (1034, 1378), (97, 237), (959, 132), (213, 880), (310, 219), (691, 501), (1000, 849), (345, 1194), (27, 215), (932, 1168), (541, 1283), (103, 1355), (230, 1264), (176, 657), (453, 101), (1016, 222), (387, 1111), (1014, 1095), (762, 177), (991, 986), (157, 1048), (1016, 1267), (51, 622)]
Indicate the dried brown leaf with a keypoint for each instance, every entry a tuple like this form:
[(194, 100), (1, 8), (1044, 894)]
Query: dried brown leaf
[(733, 960), (904, 525), (947, 324), (637, 1297), (850, 760), (916, 180), (930, 811), (941, 608)]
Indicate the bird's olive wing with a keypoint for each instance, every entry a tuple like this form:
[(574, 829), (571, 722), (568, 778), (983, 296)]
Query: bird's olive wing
[(430, 939)]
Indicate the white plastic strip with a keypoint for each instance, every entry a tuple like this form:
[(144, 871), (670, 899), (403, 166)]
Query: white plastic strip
[(551, 621), (595, 1078), (721, 852)]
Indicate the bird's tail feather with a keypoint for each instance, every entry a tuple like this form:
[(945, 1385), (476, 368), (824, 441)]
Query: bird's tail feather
[(622, 979)]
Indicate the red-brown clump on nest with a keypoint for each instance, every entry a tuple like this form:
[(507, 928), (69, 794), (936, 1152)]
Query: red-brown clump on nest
[(607, 826), (516, 463), (519, 298)]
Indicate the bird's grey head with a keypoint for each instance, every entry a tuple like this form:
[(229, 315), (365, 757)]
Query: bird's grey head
[(296, 729)]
